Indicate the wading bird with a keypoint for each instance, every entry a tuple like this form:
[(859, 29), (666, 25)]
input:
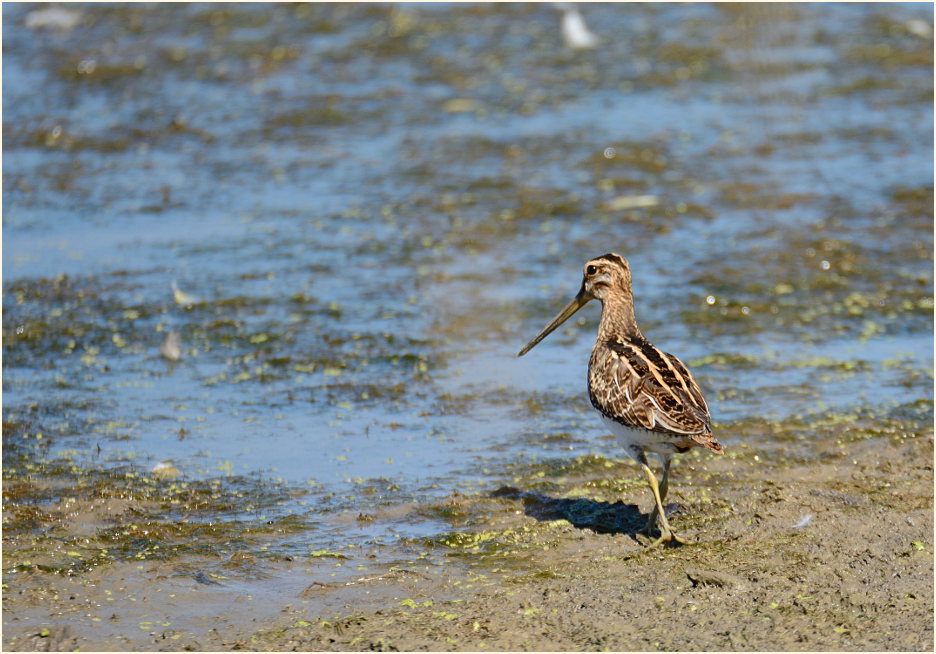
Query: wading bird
[(646, 397), (575, 32)]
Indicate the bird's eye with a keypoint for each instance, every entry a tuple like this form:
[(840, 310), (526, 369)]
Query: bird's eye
[(591, 270)]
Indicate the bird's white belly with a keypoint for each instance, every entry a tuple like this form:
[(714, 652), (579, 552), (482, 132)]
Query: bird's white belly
[(632, 439)]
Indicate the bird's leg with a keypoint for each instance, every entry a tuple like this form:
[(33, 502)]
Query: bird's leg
[(666, 534), (664, 486)]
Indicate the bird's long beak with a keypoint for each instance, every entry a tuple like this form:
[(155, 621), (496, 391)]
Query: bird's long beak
[(577, 303)]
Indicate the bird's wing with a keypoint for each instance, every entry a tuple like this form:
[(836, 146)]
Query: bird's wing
[(640, 386)]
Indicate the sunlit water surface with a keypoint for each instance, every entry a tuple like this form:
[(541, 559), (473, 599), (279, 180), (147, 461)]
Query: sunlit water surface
[(376, 206)]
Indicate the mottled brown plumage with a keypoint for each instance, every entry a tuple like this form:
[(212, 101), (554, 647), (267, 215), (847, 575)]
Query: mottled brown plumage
[(647, 397)]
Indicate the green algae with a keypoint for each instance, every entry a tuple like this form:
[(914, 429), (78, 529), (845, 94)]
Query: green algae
[(836, 288), (64, 518), (897, 423), (83, 323)]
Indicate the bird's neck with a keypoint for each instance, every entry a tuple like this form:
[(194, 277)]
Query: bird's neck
[(617, 318)]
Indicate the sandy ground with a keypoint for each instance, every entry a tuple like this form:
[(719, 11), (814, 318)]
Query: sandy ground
[(832, 553)]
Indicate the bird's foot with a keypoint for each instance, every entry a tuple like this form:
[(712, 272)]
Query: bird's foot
[(667, 535), (669, 539)]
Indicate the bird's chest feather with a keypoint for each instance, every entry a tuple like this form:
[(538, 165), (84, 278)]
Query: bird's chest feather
[(613, 381)]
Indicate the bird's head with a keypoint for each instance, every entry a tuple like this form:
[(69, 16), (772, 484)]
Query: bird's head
[(603, 276)]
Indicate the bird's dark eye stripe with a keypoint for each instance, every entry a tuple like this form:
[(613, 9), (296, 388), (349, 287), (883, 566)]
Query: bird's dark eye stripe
[(591, 270)]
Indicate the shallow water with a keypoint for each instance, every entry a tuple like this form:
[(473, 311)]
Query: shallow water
[(376, 206)]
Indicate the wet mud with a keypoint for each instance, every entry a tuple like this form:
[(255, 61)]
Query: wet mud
[(833, 551)]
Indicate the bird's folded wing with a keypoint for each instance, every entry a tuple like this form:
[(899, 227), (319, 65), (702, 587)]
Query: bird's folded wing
[(647, 388)]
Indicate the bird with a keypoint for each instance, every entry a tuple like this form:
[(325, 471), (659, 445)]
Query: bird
[(57, 18), (646, 397), (575, 32), (171, 347), (182, 298)]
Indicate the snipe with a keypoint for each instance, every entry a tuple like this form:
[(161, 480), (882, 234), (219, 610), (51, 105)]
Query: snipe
[(646, 397)]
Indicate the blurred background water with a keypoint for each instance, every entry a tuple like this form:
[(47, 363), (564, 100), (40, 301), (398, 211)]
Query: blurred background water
[(373, 207)]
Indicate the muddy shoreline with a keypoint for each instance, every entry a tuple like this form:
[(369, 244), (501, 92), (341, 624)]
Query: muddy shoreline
[(832, 552)]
